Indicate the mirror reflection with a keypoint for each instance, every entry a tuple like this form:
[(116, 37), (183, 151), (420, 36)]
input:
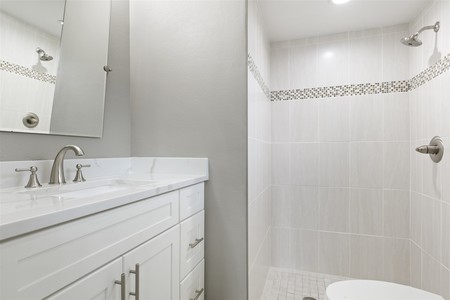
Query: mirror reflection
[(52, 59)]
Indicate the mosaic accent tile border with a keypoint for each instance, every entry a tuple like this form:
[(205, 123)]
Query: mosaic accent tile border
[(341, 91), (442, 66), (404, 86), (257, 75), (24, 71)]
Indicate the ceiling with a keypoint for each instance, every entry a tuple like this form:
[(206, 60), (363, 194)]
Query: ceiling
[(43, 14), (294, 19)]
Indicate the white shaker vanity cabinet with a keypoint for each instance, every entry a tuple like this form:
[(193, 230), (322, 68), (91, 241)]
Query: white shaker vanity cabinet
[(147, 249)]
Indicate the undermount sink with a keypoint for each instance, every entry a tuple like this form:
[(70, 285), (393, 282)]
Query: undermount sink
[(88, 189)]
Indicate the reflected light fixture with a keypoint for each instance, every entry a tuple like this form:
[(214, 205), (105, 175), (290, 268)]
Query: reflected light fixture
[(340, 1)]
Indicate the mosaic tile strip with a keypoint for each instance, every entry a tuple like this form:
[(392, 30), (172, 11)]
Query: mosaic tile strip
[(257, 75), (24, 71), (341, 91), (442, 66), (423, 77)]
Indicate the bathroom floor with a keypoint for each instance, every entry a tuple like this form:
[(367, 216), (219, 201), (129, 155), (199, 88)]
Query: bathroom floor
[(283, 284)]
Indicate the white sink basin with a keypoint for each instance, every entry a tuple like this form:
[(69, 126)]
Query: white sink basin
[(88, 189)]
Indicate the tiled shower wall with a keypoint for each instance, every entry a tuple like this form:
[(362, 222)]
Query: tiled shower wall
[(340, 194), (350, 195), (259, 158), (430, 182), (20, 66)]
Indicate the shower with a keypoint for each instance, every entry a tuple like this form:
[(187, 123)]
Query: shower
[(413, 41), (43, 55)]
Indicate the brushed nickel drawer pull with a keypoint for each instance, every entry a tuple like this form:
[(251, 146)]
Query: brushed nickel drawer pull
[(198, 292), (197, 241), (122, 284), (136, 283)]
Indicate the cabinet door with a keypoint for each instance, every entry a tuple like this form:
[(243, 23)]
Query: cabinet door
[(98, 285), (159, 270)]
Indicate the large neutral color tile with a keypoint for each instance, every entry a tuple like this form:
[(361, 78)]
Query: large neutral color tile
[(396, 213), (445, 283), (334, 164), (280, 206), (366, 117), (396, 260), (334, 122), (416, 218), (432, 178), (334, 209), (445, 234), (252, 232), (396, 116), (395, 57), (415, 266), (366, 64), (416, 166), (334, 253), (304, 164), (396, 165), (280, 256), (280, 121), (433, 93), (333, 63), (366, 260), (366, 211), (280, 164), (303, 67), (305, 249), (279, 69), (431, 226), (304, 120), (431, 274), (366, 165), (445, 170), (304, 208)]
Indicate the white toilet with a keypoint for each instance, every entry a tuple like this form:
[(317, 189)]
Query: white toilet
[(376, 290)]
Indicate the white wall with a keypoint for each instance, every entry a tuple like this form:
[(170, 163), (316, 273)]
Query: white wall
[(115, 141), (340, 194), (259, 160), (19, 41), (188, 91), (430, 182)]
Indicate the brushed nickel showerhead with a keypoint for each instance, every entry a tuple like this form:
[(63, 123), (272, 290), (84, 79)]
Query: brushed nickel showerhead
[(413, 41)]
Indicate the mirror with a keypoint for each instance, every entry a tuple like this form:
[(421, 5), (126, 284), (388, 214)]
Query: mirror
[(53, 66)]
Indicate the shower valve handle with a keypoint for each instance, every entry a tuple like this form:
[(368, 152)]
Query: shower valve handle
[(426, 149), (435, 149)]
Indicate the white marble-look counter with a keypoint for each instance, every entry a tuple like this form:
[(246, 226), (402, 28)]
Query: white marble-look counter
[(110, 183)]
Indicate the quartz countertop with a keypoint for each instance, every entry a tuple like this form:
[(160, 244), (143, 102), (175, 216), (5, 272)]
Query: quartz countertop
[(25, 210)]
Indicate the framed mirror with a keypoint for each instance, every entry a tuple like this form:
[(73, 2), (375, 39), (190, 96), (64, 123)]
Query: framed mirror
[(53, 66)]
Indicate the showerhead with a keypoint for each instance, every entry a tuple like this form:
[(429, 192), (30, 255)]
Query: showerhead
[(42, 55), (46, 57), (411, 41)]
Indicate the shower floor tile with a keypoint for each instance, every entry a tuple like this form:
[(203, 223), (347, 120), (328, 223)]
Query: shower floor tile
[(282, 284)]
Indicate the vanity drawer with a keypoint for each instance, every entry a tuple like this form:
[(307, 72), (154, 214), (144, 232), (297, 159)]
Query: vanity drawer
[(37, 264), (192, 287), (191, 200), (191, 242)]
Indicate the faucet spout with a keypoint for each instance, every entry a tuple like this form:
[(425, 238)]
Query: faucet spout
[(57, 174)]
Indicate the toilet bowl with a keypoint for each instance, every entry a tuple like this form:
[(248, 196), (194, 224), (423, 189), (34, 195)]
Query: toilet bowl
[(376, 290)]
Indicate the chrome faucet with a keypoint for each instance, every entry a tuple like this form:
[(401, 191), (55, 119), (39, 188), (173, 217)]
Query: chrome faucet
[(57, 174)]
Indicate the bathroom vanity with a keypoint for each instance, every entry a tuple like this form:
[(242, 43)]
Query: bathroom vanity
[(138, 234)]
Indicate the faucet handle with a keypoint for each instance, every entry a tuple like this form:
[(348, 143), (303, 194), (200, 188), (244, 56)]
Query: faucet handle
[(33, 182), (79, 176)]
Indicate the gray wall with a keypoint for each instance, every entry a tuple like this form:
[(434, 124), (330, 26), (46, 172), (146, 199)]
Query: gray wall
[(189, 98), (116, 131)]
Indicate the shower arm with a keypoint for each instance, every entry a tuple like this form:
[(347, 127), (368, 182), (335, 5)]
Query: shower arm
[(435, 27)]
